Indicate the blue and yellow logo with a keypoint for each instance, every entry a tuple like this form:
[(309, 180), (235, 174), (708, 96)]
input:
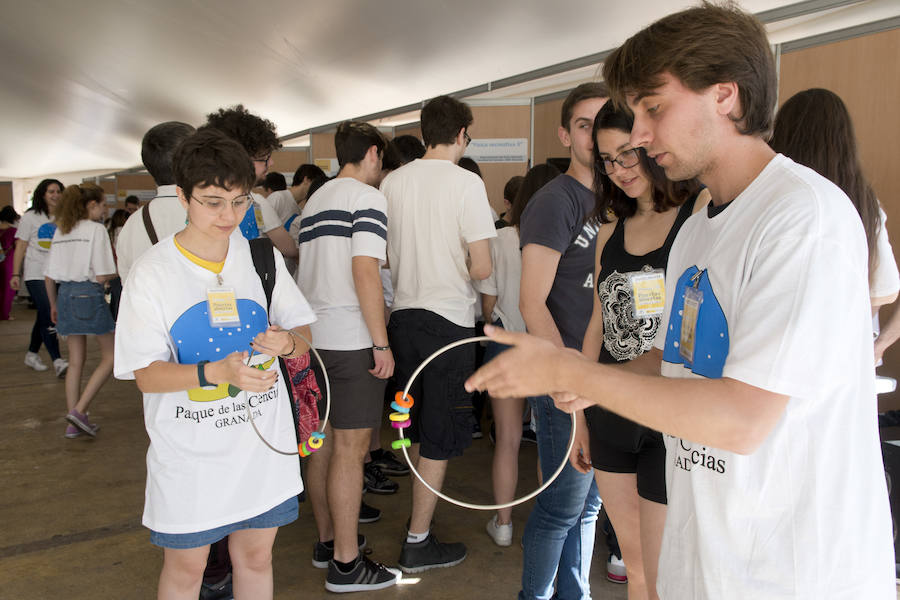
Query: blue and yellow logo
[(195, 340), (45, 235)]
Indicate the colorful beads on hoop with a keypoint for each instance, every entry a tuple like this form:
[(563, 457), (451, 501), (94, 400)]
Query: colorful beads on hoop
[(304, 451), (404, 401), (401, 443), (314, 443), (400, 424), (399, 408), (399, 416)]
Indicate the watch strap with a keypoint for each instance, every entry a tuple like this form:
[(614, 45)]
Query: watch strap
[(201, 375)]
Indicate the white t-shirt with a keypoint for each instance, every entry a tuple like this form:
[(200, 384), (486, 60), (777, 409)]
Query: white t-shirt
[(168, 217), (283, 203), (506, 275), (266, 217), (81, 254), (37, 229), (343, 219), (436, 208), (885, 281), (206, 467), (785, 308)]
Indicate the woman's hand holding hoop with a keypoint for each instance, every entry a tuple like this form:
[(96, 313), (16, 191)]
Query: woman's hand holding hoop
[(274, 341), (232, 369)]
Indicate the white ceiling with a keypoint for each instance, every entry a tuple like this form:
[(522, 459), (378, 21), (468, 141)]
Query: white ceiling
[(81, 81)]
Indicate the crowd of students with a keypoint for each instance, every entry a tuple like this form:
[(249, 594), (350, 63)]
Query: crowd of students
[(701, 300)]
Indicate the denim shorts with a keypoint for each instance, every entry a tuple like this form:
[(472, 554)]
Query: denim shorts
[(281, 515), (82, 309)]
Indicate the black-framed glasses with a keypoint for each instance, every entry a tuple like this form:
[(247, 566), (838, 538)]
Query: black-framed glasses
[(217, 205), (265, 159), (626, 160), (466, 137)]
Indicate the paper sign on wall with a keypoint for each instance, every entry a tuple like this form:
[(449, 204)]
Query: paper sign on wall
[(498, 150)]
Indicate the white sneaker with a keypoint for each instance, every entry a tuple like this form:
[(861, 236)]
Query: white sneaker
[(61, 366), (615, 569), (34, 361), (501, 534)]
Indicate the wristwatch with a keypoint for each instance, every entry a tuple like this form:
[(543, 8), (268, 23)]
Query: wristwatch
[(201, 376)]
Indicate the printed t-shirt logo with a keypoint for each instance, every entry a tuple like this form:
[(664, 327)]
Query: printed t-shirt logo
[(711, 343), (45, 235), (196, 340)]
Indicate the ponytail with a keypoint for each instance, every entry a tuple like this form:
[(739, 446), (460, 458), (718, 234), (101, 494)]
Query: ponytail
[(72, 207)]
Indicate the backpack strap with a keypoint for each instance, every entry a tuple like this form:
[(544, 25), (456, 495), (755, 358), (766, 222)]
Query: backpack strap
[(148, 224), (263, 253)]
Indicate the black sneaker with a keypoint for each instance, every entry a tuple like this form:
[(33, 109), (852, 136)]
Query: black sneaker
[(430, 554), (324, 552), (365, 575), (217, 591), (388, 462), (368, 514), (376, 482)]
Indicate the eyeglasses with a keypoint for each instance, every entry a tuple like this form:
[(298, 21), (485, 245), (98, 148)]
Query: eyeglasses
[(265, 159), (626, 160), (466, 137), (217, 205)]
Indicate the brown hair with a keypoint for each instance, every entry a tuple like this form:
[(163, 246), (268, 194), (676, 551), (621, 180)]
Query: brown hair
[(701, 46), (72, 207), (608, 197), (585, 91), (536, 178), (211, 157), (814, 129)]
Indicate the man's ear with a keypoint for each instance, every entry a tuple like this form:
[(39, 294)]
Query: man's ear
[(727, 98), (564, 137)]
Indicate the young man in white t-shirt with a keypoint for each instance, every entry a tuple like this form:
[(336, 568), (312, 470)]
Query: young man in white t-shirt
[(343, 233), (164, 212), (773, 463), (440, 224)]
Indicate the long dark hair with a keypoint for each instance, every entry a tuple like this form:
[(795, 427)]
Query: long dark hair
[(814, 129), (38, 203), (536, 178), (609, 198)]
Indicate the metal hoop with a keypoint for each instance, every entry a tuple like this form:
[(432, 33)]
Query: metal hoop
[(443, 496), (322, 423)]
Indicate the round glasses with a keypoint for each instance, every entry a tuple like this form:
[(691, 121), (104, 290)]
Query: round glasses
[(217, 205), (626, 160)]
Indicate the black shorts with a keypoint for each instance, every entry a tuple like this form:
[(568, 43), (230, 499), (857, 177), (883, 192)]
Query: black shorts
[(442, 411), (356, 395), (619, 445)]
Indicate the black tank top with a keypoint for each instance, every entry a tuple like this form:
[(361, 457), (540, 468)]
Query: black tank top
[(624, 336)]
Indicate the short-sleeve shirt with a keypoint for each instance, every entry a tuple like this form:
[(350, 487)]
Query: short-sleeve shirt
[(436, 209), (283, 203), (556, 217), (81, 254), (37, 229), (206, 467), (884, 280), (785, 308), (506, 275), (345, 218), (168, 217)]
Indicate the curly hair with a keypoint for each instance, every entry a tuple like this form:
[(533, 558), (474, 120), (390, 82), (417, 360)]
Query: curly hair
[(255, 134)]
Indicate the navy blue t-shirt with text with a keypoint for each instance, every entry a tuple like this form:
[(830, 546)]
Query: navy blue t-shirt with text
[(556, 217)]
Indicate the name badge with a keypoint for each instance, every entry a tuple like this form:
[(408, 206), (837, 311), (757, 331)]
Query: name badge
[(648, 289), (222, 307), (693, 298)]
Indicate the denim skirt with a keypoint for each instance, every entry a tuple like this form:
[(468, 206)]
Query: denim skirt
[(82, 309)]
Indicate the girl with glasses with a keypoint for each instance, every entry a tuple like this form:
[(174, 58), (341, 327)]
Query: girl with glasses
[(641, 213)]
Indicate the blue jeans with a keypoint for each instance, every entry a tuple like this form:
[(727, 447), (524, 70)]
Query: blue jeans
[(559, 536), (42, 330)]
